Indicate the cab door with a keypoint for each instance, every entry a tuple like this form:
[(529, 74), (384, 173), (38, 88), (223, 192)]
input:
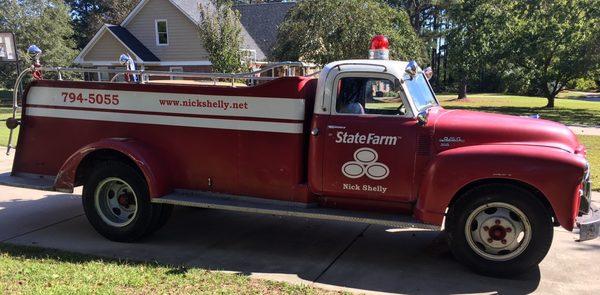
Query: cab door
[(369, 148)]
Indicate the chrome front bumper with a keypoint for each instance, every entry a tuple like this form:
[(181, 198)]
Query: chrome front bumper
[(588, 221), (586, 196), (589, 224)]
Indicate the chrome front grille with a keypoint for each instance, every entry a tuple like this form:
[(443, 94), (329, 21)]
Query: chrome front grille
[(586, 194)]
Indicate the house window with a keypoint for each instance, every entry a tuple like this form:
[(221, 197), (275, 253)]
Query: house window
[(176, 70), (162, 37)]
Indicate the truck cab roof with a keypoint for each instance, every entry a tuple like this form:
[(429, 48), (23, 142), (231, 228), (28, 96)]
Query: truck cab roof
[(394, 70), (393, 67)]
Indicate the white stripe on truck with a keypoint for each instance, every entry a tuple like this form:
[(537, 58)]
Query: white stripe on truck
[(294, 128), (174, 103)]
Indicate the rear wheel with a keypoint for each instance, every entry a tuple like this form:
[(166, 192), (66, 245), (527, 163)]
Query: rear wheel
[(117, 203), (499, 230)]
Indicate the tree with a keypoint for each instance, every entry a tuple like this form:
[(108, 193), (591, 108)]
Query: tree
[(90, 15), (426, 16), (475, 38), (221, 33), (429, 19), (45, 23), (537, 47), (329, 30), (554, 42)]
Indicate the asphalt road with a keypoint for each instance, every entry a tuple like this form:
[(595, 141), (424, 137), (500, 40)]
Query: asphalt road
[(353, 257)]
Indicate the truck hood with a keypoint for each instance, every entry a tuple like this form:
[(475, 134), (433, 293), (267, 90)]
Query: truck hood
[(456, 128)]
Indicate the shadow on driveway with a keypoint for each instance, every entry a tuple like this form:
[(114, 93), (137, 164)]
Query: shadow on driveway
[(23, 211), (371, 258)]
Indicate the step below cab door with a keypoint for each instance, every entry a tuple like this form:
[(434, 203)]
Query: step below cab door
[(369, 140)]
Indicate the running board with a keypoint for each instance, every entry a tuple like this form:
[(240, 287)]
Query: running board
[(25, 180), (282, 208)]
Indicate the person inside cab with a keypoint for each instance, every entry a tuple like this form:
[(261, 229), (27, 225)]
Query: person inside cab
[(351, 98)]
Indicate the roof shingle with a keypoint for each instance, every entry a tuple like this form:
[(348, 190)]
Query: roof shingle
[(260, 22)]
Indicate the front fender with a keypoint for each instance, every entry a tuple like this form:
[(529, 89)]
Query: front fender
[(143, 156), (555, 173)]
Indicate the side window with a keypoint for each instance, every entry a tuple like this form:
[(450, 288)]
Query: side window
[(368, 96), (162, 37)]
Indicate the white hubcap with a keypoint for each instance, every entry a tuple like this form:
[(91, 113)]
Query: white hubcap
[(116, 202), (498, 231)]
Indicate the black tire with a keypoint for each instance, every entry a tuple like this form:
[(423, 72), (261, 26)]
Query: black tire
[(137, 226), (160, 215), (527, 256), (166, 213)]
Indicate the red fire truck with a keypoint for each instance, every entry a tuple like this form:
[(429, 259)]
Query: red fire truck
[(365, 141)]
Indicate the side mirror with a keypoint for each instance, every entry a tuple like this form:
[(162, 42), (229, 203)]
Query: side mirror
[(422, 118), (411, 68)]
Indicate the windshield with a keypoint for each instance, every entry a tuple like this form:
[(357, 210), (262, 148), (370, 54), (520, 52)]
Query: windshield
[(419, 90)]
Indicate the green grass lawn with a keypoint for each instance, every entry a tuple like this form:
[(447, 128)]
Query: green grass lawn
[(4, 114), (28, 270), (567, 110)]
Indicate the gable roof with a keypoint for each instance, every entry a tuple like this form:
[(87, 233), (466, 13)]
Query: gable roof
[(260, 22), (188, 7), (130, 42)]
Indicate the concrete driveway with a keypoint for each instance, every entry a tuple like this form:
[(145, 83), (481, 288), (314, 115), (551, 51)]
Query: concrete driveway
[(353, 257)]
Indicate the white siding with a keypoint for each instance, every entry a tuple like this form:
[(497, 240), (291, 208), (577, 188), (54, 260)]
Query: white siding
[(184, 42)]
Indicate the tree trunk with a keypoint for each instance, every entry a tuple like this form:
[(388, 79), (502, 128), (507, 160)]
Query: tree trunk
[(550, 101), (552, 95), (462, 90)]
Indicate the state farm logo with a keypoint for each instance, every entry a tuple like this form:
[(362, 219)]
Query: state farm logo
[(371, 138), (365, 163)]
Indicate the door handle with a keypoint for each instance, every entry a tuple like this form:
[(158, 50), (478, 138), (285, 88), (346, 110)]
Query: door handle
[(314, 132)]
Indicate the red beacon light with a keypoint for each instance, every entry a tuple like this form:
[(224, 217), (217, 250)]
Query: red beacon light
[(379, 48)]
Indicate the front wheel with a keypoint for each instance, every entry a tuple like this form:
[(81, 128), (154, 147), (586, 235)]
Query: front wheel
[(499, 230)]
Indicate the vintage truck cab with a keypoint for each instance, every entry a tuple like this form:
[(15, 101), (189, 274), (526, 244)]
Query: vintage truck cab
[(365, 141)]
